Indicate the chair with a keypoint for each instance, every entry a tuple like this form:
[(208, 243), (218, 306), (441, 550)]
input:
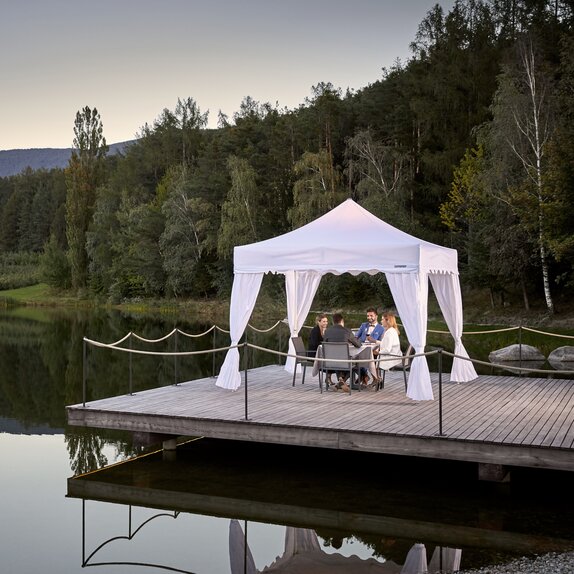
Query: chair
[(404, 367), (339, 351), (300, 351)]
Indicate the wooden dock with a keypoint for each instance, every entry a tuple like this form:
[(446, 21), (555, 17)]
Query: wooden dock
[(495, 420)]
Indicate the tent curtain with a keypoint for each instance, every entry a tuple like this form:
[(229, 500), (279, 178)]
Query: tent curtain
[(410, 293), (243, 296), (301, 287), (447, 291)]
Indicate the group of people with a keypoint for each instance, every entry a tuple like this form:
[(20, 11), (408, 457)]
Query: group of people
[(384, 336)]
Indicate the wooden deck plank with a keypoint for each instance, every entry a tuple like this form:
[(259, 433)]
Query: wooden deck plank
[(492, 419), (553, 408), (495, 406), (517, 412), (549, 406), (563, 424), (464, 412)]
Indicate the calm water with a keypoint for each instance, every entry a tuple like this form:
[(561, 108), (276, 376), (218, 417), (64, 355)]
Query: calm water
[(226, 507)]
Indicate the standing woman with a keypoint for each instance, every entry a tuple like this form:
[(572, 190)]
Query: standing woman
[(390, 344), (316, 335)]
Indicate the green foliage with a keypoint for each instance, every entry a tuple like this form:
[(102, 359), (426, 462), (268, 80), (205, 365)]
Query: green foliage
[(239, 213), (317, 188), (18, 269), (189, 237), (54, 265), (84, 173)]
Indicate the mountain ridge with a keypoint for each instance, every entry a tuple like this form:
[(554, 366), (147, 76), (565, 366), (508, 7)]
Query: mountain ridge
[(15, 161)]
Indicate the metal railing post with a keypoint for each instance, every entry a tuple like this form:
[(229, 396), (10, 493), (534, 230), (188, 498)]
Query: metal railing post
[(280, 344), (175, 377), (84, 371), (440, 433), (246, 368), (213, 354), (131, 388)]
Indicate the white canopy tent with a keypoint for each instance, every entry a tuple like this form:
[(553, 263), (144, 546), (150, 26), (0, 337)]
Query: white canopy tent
[(349, 239)]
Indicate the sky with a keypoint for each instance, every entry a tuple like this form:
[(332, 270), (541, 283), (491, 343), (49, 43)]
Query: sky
[(131, 59)]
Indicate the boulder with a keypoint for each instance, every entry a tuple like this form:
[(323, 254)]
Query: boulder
[(515, 353), (562, 354), (562, 358)]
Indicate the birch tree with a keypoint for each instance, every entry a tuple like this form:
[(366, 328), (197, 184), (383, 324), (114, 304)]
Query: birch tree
[(524, 123), (239, 211), (317, 188)]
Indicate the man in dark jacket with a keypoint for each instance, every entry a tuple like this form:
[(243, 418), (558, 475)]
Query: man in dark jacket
[(338, 333)]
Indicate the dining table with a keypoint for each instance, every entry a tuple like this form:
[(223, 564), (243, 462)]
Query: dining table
[(362, 353)]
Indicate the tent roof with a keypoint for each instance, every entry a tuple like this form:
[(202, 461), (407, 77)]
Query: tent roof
[(346, 239)]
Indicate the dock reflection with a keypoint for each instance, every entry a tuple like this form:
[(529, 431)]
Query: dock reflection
[(410, 516)]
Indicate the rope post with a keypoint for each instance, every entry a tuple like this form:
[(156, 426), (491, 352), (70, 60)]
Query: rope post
[(84, 371), (520, 343), (175, 374), (130, 389), (280, 343), (440, 433), (213, 355), (246, 368)]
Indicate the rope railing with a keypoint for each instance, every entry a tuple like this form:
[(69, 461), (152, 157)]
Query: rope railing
[(282, 321), (160, 353)]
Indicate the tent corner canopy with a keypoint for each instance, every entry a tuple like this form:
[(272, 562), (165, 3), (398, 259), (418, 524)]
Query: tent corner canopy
[(336, 243)]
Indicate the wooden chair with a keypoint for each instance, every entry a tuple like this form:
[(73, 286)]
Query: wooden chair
[(404, 367), (300, 351), (339, 351)]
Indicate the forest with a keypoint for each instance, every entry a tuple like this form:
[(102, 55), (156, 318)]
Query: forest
[(469, 144)]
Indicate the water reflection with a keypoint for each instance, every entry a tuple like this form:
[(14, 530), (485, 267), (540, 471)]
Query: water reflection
[(406, 515)]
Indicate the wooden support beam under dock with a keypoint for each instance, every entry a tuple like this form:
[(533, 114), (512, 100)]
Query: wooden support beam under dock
[(514, 421)]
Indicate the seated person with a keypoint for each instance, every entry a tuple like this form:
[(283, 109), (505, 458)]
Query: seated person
[(370, 331), (338, 333), (316, 334), (390, 344)]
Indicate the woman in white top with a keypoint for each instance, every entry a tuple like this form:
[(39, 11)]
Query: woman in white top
[(389, 344)]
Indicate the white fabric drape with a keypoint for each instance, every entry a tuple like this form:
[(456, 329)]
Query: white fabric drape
[(243, 296), (240, 556), (410, 293), (416, 560), (301, 287), (447, 291), (445, 559)]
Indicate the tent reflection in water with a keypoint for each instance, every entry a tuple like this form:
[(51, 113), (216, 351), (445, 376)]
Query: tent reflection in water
[(303, 553), (335, 243)]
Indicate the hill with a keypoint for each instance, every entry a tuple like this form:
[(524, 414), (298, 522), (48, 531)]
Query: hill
[(14, 161)]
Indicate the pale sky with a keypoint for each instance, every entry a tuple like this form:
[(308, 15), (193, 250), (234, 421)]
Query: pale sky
[(132, 58)]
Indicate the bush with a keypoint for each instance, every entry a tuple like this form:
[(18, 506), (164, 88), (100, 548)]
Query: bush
[(18, 270), (54, 265)]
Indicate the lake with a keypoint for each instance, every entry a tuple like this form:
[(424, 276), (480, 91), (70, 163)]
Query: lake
[(72, 497)]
